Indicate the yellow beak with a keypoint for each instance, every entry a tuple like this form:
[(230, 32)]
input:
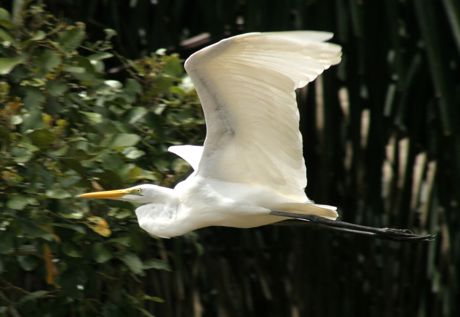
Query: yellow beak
[(110, 194)]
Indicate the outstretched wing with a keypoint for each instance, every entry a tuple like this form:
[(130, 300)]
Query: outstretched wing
[(190, 153), (246, 85)]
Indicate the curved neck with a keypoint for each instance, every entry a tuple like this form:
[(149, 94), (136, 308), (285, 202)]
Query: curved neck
[(160, 214)]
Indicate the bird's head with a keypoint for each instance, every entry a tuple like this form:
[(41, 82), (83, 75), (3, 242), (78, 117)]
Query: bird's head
[(140, 194)]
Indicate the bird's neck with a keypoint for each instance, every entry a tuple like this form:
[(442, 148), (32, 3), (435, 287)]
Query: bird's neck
[(160, 216)]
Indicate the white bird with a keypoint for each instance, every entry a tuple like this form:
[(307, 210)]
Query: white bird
[(250, 171)]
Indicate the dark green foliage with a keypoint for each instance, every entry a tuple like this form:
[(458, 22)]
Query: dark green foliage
[(67, 128), (381, 141)]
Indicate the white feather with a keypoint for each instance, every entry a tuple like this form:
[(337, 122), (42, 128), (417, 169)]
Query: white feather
[(190, 153), (246, 86)]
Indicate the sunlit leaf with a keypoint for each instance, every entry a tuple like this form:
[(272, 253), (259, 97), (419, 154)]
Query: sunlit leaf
[(57, 193), (136, 114), (93, 117), (8, 63), (100, 56), (125, 140), (18, 202), (133, 153), (99, 225)]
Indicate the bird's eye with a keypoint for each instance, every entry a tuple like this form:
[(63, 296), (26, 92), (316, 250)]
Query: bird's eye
[(136, 191)]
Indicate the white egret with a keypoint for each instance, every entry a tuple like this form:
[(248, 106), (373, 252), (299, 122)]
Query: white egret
[(250, 171)]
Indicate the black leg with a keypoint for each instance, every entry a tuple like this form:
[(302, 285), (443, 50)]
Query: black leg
[(384, 233)]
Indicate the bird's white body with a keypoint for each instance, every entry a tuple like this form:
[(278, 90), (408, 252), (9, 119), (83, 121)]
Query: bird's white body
[(200, 202), (252, 161), (197, 203)]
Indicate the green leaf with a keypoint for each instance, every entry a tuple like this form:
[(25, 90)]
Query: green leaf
[(145, 312), (133, 262), (100, 253), (72, 214), (18, 202), (34, 98), (93, 117), (8, 63), (15, 120), (32, 120), (48, 60), (57, 193), (70, 39), (133, 87), (125, 140), (5, 37), (173, 65), (71, 250), (156, 264), (100, 56), (123, 241), (42, 137), (76, 70), (38, 36), (33, 231), (56, 88), (21, 155), (154, 299), (4, 15), (136, 114), (32, 296), (27, 262), (133, 153)]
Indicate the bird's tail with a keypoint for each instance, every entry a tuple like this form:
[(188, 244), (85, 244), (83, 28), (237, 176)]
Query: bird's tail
[(325, 211)]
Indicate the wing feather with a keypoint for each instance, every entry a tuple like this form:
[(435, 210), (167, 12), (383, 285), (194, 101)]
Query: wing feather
[(246, 85), (190, 153)]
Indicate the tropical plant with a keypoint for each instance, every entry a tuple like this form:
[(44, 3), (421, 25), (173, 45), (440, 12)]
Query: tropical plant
[(66, 127)]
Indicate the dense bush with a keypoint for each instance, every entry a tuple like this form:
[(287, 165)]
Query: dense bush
[(68, 127)]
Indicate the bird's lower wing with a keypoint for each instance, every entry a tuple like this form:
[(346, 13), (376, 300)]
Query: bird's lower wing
[(384, 233)]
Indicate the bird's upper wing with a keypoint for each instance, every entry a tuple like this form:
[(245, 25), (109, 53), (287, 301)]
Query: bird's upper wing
[(190, 153), (246, 85)]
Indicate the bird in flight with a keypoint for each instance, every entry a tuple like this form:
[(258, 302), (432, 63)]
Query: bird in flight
[(250, 171)]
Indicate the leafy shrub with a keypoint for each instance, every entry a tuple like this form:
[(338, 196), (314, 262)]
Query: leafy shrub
[(67, 126)]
